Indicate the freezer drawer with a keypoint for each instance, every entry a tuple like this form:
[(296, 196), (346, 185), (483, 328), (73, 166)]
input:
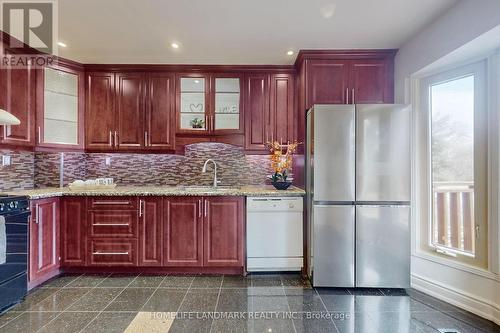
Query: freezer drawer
[(383, 246), (333, 153), (382, 152), (333, 246)]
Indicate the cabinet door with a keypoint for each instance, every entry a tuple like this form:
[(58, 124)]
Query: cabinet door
[(73, 231), (183, 232), (226, 116), (193, 98), (17, 96), (44, 239), (223, 231), (150, 231), (130, 111), (100, 114), (257, 111), (282, 107), (371, 82), (326, 82), (160, 112), (60, 107)]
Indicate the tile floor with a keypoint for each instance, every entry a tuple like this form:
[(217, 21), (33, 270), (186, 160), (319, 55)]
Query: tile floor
[(257, 303)]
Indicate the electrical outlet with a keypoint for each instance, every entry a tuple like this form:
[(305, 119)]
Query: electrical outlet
[(6, 160), (108, 161)]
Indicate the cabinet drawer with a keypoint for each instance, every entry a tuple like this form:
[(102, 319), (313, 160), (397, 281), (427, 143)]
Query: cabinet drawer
[(113, 223), (110, 203), (113, 252)]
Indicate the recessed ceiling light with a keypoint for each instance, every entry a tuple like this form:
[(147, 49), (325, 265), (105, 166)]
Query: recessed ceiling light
[(328, 10), (290, 52), (175, 45), (61, 44), (196, 81)]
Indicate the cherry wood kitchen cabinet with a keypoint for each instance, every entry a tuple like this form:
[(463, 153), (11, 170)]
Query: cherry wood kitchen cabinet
[(17, 96), (44, 255), (100, 111), (73, 231), (209, 104), (347, 77), (60, 101), (223, 231), (112, 236), (150, 231), (183, 230), (258, 120), (343, 77), (371, 81), (270, 109), (327, 81), (129, 96), (160, 112), (131, 111), (282, 108)]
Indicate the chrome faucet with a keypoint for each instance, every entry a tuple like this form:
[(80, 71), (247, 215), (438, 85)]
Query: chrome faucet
[(204, 170)]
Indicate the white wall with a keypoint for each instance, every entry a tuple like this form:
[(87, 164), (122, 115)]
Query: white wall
[(473, 289), (461, 24)]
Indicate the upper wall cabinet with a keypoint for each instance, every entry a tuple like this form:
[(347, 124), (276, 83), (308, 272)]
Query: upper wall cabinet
[(270, 109), (209, 104), (344, 77), (347, 78), (17, 96), (130, 111), (60, 107)]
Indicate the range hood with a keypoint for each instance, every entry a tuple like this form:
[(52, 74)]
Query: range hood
[(8, 119)]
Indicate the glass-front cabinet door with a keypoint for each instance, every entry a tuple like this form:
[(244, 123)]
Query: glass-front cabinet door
[(59, 117), (193, 112), (227, 113), (209, 104)]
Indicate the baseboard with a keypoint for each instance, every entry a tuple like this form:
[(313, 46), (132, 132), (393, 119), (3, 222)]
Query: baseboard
[(457, 297)]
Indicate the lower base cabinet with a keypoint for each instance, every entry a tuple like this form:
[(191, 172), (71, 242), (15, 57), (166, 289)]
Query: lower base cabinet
[(152, 232), (223, 231), (44, 253)]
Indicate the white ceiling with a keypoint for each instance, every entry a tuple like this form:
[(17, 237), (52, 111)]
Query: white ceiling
[(234, 31)]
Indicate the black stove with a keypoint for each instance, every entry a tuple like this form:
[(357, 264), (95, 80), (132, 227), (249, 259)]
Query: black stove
[(14, 231)]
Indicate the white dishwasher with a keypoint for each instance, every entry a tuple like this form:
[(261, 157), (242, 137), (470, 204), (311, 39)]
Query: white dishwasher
[(274, 234)]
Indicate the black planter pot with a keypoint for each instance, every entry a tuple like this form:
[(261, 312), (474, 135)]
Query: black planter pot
[(281, 185)]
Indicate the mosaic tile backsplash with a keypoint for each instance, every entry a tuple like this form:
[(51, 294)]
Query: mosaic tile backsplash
[(233, 167), (20, 174)]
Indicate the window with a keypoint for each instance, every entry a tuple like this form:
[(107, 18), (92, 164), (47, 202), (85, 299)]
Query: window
[(456, 157)]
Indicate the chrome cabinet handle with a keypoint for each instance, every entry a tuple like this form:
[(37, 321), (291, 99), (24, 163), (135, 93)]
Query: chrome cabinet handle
[(146, 139), (213, 123), (110, 139), (39, 135), (111, 202), (110, 224), (206, 208), (353, 96), (116, 140), (199, 208), (346, 95), (141, 212), (110, 253)]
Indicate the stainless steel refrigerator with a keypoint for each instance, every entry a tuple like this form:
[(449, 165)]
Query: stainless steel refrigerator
[(358, 195)]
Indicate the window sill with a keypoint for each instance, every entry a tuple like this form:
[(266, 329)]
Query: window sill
[(456, 265)]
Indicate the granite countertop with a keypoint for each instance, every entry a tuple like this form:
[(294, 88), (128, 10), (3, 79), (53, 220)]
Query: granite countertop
[(249, 191)]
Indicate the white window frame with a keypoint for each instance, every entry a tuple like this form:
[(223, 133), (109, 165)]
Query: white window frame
[(421, 173)]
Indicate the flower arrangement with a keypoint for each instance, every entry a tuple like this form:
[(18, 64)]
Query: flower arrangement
[(281, 161)]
